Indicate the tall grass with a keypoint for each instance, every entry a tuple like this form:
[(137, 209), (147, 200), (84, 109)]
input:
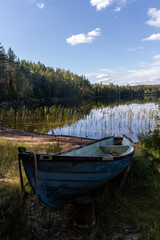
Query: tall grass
[(135, 208), (9, 155), (151, 145), (32, 119), (55, 112), (130, 120), (12, 215), (100, 122)]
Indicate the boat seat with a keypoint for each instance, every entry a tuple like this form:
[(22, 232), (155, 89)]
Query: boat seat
[(114, 150)]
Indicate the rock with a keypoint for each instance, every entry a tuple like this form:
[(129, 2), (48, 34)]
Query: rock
[(2, 176), (125, 237), (132, 237)]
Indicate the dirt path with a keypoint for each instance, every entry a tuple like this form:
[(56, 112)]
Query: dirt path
[(29, 138)]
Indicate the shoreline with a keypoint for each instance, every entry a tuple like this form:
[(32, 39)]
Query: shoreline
[(30, 138)]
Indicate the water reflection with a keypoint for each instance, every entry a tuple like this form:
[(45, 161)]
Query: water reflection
[(131, 120), (88, 118)]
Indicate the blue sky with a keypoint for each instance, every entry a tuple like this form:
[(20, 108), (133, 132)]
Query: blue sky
[(108, 41)]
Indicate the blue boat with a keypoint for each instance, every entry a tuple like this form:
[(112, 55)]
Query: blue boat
[(59, 178)]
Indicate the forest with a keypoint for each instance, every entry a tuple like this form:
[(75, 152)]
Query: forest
[(26, 80)]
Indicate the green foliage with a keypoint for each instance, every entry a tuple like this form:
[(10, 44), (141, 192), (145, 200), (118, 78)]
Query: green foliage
[(24, 80), (114, 91), (12, 218), (54, 148), (11, 215), (154, 232), (135, 208), (39, 118), (9, 156), (151, 145), (20, 80)]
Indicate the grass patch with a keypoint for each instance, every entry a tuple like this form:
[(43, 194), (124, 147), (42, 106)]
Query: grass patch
[(136, 208), (9, 155), (12, 218), (11, 213)]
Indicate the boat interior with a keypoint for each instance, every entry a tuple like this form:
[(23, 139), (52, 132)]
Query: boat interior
[(108, 147)]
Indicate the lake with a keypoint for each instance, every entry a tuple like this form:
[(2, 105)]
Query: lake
[(91, 119)]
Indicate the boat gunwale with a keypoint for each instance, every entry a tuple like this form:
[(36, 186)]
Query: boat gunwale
[(60, 158)]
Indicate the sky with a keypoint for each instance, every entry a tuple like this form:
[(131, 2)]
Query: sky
[(107, 41)]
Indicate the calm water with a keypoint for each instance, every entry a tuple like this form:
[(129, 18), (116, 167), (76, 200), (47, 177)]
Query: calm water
[(131, 120), (92, 119)]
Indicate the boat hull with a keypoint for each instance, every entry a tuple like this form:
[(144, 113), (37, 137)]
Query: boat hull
[(62, 178)]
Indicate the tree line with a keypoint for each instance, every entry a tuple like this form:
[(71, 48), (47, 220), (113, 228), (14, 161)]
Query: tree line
[(112, 90), (23, 80)]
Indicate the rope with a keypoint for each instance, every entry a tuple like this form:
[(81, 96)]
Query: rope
[(34, 158), (21, 178)]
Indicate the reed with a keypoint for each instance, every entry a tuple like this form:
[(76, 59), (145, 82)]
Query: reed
[(38, 119), (131, 120)]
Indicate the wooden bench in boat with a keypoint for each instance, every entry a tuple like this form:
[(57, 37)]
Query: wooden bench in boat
[(114, 150)]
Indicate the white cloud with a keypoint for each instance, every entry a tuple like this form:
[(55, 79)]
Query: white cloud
[(107, 70), (135, 49), (142, 64), (147, 75), (156, 57), (40, 5), (154, 21), (79, 38), (104, 80), (94, 33), (156, 63), (152, 37), (84, 38), (144, 74), (100, 4), (155, 17), (90, 75), (117, 9), (102, 75)]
